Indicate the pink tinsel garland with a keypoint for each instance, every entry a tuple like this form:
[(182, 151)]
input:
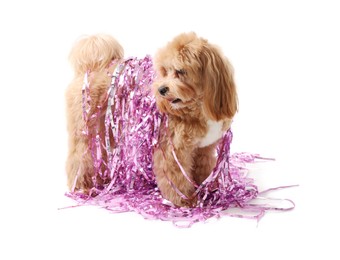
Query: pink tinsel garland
[(129, 183)]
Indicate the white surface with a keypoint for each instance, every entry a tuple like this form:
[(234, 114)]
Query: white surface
[(286, 57)]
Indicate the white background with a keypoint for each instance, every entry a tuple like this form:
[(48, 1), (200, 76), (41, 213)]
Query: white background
[(286, 56)]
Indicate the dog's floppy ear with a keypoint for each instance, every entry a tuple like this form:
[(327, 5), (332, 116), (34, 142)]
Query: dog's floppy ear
[(220, 97)]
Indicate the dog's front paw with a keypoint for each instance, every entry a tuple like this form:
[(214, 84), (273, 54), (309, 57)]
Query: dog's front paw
[(189, 203), (179, 201)]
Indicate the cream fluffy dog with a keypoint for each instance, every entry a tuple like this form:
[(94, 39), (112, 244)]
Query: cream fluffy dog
[(194, 86)]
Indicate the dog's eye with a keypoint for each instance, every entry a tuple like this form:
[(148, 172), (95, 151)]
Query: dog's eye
[(180, 72), (163, 71)]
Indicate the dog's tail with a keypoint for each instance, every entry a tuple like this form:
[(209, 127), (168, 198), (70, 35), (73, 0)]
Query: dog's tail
[(94, 53)]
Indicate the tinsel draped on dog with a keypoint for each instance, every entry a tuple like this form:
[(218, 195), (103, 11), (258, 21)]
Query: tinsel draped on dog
[(154, 136)]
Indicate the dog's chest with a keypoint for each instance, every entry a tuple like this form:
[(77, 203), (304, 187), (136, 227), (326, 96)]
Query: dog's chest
[(214, 133)]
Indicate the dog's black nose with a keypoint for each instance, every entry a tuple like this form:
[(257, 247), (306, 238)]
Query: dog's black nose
[(163, 90)]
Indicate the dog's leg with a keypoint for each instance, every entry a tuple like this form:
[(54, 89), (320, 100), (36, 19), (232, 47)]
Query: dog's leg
[(204, 162), (79, 165), (167, 170)]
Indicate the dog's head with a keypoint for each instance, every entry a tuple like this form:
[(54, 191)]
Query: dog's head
[(193, 75)]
